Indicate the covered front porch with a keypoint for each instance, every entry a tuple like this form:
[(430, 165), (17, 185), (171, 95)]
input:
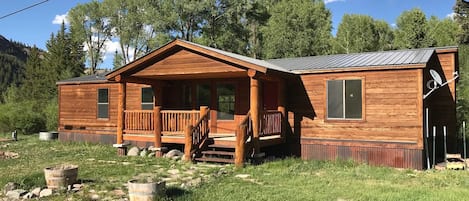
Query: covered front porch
[(209, 100)]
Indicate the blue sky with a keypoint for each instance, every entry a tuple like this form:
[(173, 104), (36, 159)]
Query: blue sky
[(34, 26)]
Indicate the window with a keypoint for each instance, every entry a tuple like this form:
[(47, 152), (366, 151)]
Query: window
[(147, 98), (103, 103), (226, 101), (344, 99), (203, 95)]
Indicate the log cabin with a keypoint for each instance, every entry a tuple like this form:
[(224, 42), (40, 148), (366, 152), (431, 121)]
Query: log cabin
[(224, 107)]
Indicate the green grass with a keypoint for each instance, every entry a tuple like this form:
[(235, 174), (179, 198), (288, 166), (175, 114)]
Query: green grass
[(288, 179)]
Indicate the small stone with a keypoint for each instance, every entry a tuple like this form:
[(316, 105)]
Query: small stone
[(16, 194), (151, 148), (194, 182), (94, 197), (10, 186), (45, 192), (133, 151), (28, 195), (36, 191), (242, 176), (173, 171), (143, 153), (151, 154), (77, 186), (173, 153), (126, 163)]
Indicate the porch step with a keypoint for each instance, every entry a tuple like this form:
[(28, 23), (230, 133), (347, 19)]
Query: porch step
[(224, 146), (215, 160), (219, 153)]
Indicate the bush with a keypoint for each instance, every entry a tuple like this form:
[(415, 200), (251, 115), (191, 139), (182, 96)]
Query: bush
[(51, 114), (22, 117)]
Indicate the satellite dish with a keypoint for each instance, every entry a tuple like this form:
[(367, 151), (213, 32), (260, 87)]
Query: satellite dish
[(436, 77)]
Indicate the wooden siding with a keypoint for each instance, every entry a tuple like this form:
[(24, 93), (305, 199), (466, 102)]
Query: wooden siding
[(78, 107), (185, 62), (391, 108)]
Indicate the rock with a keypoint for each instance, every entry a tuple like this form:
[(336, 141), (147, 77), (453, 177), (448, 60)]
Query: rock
[(242, 176), (36, 191), (10, 186), (28, 195), (151, 148), (151, 154), (77, 186), (173, 153), (133, 151), (94, 197), (194, 182), (45, 192), (173, 171), (16, 194), (144, 153)]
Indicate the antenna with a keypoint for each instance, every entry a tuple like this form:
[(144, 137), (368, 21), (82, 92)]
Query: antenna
[(438, 82), (436, 77)]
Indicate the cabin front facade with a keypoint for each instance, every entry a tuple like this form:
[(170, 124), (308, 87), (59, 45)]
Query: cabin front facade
[(216, 104)]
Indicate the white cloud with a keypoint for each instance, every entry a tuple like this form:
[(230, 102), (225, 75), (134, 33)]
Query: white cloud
[(393, 25), (60, 18), (332, 1), (451, 15)]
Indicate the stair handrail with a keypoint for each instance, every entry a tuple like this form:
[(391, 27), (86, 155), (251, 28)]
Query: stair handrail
[(196, 136), (244, 135)]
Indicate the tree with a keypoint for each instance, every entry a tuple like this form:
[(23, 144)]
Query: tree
[(90, 25), (356, 33), (412, 30), (385, 35), (64, 57), (297, 28), (443, 32), (461, 9), (36, 85), (185, 17)]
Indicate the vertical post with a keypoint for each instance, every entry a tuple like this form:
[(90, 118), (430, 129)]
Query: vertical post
[(433, 144), (203, 110), (239, 149), (464, 142), (120, 112), (157, 130), (281, 106), (254, 109), (188, 143), (444, 140), (426, 139)]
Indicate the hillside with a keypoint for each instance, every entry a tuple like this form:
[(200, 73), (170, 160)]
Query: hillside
[(13, 57)]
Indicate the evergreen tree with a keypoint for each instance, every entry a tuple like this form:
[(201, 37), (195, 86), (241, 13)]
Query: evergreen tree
[(461, 9), (297, 28), (412, 30), (36, 85), (356, 33), (443, 32)]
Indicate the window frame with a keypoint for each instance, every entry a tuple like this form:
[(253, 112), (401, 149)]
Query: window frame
[(98, 104), (345, 119), (152, 103)]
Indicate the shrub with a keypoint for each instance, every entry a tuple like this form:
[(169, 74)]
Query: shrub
[(51, 114), (22, 117)]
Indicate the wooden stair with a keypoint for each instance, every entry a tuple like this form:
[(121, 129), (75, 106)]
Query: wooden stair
[(217, 154)]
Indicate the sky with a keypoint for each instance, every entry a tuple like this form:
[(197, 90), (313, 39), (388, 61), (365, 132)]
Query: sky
[(35, 25)]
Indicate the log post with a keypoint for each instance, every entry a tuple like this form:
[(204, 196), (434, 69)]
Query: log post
[(203, 110), (120, 112), (157, 129), (188, 143), (240, 145), (255, 109), (281, 107)]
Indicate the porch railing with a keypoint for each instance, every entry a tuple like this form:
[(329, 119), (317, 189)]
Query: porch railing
[(139, 121), (271, 123), (196, 135), (176, 121)]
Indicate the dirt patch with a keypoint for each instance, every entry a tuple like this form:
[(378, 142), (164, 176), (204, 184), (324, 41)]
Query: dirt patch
[(4, 140), (8, 155)]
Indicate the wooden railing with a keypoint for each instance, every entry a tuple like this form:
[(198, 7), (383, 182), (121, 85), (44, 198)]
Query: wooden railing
[(197, 135), (176, 121), (271, 123), (139, 121), (244, 136)]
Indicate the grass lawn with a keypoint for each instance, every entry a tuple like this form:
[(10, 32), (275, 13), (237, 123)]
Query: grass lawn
[(288, 179)]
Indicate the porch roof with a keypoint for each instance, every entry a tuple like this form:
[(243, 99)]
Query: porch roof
[(236, 60)]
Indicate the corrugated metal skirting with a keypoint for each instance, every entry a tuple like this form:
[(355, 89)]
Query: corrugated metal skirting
[(393, 157)]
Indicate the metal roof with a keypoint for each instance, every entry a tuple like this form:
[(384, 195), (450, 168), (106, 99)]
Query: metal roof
[(98, 78), (349, 61)]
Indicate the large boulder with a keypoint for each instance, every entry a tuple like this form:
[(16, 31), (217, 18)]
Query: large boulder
[(174, 153)]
